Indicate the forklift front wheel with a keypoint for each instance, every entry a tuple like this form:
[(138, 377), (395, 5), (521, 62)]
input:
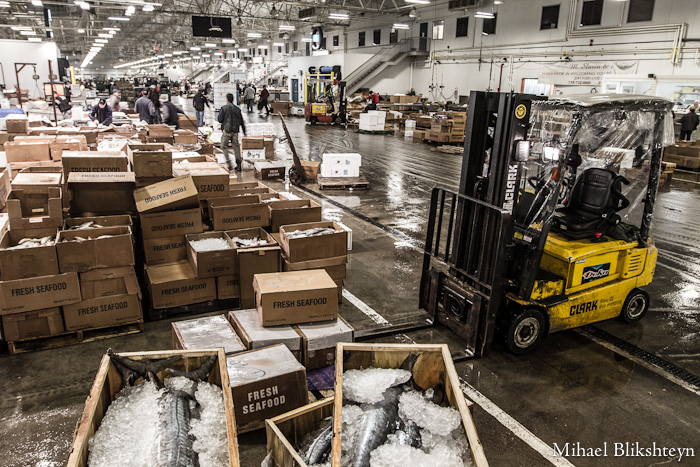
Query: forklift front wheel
[(313, 120), (635, 306), (525, 331)]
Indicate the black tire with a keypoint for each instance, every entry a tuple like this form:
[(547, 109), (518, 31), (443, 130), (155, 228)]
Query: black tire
[(294, 176), (313, 120), (635, 307), (525, 330)]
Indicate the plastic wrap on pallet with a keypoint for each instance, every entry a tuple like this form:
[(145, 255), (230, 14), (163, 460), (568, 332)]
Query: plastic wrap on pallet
[(613, 132)]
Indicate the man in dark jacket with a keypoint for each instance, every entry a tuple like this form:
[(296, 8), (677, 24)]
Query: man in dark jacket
[(154, 95), (101, 113), (689, 122), (198, 102), (264, 96), (231, 120), (170, 111), (144, 107)]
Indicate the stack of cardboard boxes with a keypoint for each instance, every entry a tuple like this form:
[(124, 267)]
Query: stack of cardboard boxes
[(684, 154), (446, 127)]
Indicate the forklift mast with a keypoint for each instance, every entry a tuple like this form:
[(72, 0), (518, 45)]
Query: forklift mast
[(467, 266)]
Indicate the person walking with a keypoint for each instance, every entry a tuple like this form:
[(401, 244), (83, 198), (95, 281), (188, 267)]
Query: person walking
[(231, 120), (101, 113), (170, 112), (264, 96), (249, 97), (689, 122), (198, 102), (114, 100), (144, 107), (154, 95)]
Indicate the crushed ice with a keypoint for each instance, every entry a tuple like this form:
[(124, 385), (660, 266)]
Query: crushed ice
[(248, 242), (368, 386), (210, 244), (317, 232), (128, 429)]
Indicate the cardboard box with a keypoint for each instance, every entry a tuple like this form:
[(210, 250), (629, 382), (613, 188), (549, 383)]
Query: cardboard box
[(254, 260), (418, 136), (5, 137), (293, 212), (253, 154), (437, 136), (211, 180), (17, 124), (254, 336), (4, 223), (335, 266), (94, 252), (36, 293), (266, 382), (246, 187), (228, 287), (91, 161), (32, 324), (103, 221), (164, 250), (102, 312), (26, 151), (692, 163), (319, 339), (67, 143), (5, 186), (176, 193), (269, 170), (252, 142), (101, 193), (27, 262), (35, 210), (175, 284), (311, 248), (689, 151), (311, 168), (109, 281), (210, 332), (238, 213), (37, 179), (171, 224), (150, 160), (295, 297), (211, 263), (186, 137)]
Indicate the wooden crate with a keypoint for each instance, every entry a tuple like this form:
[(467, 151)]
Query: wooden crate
[(287, 430), (434, 365), (108, 383)]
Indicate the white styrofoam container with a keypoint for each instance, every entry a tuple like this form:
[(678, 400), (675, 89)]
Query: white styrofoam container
[(339, 171), (349, 159), (410, 125), (326, 171), (349, 231), (253, 154)]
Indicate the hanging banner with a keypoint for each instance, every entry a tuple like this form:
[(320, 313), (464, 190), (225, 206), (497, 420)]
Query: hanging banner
[(584, 73)]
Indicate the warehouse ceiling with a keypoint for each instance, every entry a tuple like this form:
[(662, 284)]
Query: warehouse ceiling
[(125, 31)]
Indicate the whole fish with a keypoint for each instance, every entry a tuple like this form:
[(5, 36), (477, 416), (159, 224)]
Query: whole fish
[(408, 433), (311, 232), (379, 421), (173, 446), (316, 446)]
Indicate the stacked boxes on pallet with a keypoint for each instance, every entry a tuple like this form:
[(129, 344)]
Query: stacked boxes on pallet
[(447, 127), (341, 165), (373, 120), (684, 154)]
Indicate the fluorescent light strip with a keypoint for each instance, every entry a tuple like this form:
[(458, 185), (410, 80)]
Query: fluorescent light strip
[(401, 26), (118, 18), (28, 33), (278, 44), (228, 41), (254, 34), (306, 39), (34, 39), (195, 48), (209, 45), (285, 27)]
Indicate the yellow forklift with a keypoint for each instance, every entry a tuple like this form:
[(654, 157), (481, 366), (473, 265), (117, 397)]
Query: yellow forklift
[(550, 229)]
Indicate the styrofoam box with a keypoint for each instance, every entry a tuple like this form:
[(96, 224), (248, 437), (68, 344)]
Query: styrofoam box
[(381, 115), (343, 160), (339, 171), (410, 125), (349, 231), (253, 154), (260, 129)]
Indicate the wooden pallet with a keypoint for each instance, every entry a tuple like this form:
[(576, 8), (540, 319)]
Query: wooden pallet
[(75, 337), (376, 132), (342, 183), (194, 309)]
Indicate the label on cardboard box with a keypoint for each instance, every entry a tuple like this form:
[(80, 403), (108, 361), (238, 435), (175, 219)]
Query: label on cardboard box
[(39, 292), (164, 250), (175, 193), (175, 284), (91, 161), (32, 324), (211, 180), (295, 297), (265, 383), (240, 217), (228, 287), (102, 312), (171, 224)]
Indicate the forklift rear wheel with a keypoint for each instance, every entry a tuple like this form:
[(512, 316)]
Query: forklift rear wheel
[(525, 331), (313, 120), (635, 306)]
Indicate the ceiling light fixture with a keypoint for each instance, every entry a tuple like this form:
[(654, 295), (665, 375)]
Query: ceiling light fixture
[(28, 33), (254, 34), (242, 50), (286, 27), (401, 26), (413, 13), (484, 14), (130, 11), (420, 2), (148, 7), (306, 39), (195, 48), (101, 41), (37, 3), (105, 35), (339, 16), (278, 44), (228, 41), (34, 39), (209, 45), (81, 31), (118, 18)]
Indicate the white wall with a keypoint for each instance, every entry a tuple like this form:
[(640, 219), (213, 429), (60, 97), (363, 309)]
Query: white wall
[(15, 51), (463, 64)]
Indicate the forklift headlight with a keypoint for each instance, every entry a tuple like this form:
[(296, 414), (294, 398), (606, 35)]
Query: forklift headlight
[(551, 154), (522, 151)]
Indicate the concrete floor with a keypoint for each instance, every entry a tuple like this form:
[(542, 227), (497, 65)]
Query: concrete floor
[(571, 389)]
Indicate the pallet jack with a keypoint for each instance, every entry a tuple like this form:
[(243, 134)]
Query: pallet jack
[(550, 229), (297, 174)]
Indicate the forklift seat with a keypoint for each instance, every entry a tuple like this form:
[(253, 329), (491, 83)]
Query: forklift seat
[(595, 200)]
